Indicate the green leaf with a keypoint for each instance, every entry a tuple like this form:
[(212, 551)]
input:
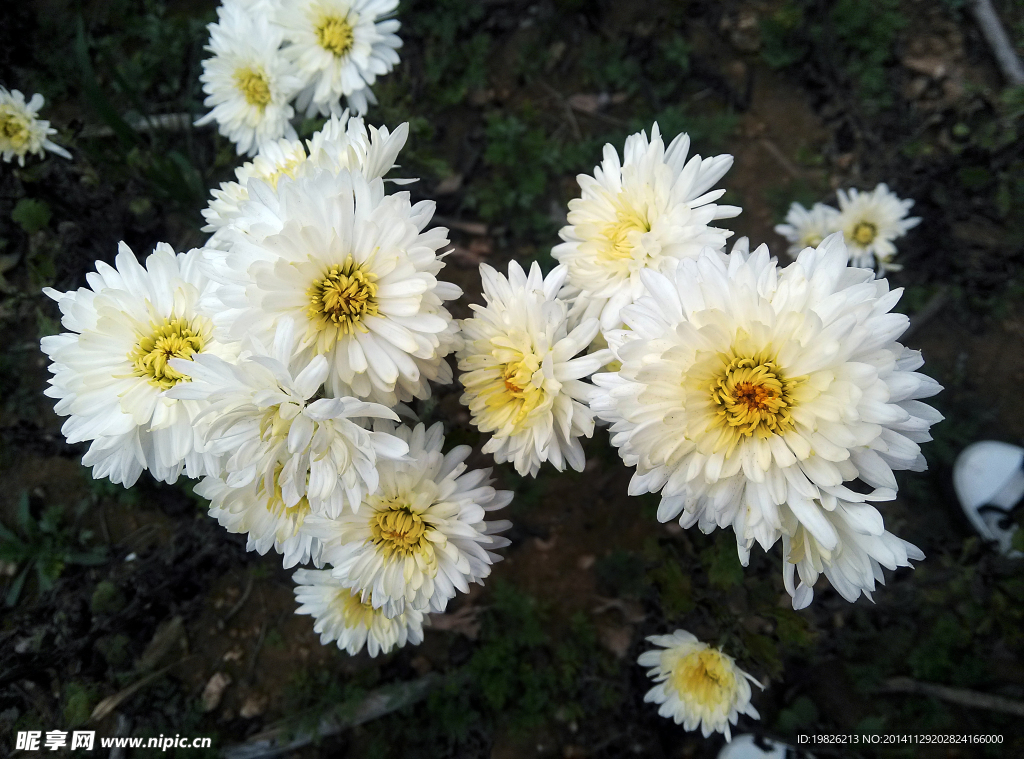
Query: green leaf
[(15, 590), (31, 215), (675, 588), (94, 95), (724, 570)]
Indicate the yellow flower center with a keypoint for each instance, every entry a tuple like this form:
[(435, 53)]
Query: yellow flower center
[(864, 233), (353, 610), (628, 219), (294, 515), (172, 338), (517, 396), (14, 126), (753, 398), (811, 240), (335, 35), (399, 530), (705, 677), (255, 85), (343, 298), (286, 170)]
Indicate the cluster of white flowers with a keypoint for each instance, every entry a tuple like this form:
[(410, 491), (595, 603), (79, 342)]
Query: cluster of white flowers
[(22, 132), (773, 400), (271, 364), (273, 57), (870, 223)]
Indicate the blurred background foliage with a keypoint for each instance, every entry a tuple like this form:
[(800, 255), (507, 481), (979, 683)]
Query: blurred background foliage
[(123, 606)]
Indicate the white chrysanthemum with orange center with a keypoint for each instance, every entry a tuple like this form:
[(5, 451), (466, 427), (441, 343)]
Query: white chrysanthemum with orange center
[(248, 82), (697, 686), (342, 615), (423, 534), (648, 211), (749, 392), (523, 372), (870, 222), (806, 228), (339, 48), (356, 272), (111, 370)]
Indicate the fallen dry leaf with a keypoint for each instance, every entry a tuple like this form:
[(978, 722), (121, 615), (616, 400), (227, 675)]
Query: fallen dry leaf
[(214, 690)]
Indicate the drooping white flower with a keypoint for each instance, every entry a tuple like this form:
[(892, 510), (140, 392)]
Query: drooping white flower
[(304, 455), (22, 132), (343, 144), (355, 270), (745, 387), (248, 81), (647, 212), (423, 534), (263, 517), (339, 48), (523, 373), (341, 615), (111, 369), (870, 221), (806, 228), (697, 686), (275, 159), (854, 565)]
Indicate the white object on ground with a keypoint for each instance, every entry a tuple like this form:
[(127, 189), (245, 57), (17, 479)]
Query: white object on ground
[(744, 747), (988, 477)]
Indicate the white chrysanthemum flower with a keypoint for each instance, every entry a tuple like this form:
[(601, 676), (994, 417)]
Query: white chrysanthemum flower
[(343, 144), (112, 368), (697, 686), (647, 212), (276, 159), (355, 270), (248, 82), (307, 455), (341, 615), (806, 228), (22, 132), (870, 221), (854, 565), (745, 387), (339, 48), (523, 373), (423, 534), (263, 517)]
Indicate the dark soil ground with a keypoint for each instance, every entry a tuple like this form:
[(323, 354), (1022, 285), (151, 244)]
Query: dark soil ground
[(136, 604)]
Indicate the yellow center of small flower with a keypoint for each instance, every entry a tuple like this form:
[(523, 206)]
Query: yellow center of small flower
[(516, 396), (753, 398), (286, 170), (255, 85), (354, 611), (864, 233), (399, 530), (705, 677), (619, 233), (811, 240), (172, 338), (335, 35), (343, 298), (14, 126), (294, 515)]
